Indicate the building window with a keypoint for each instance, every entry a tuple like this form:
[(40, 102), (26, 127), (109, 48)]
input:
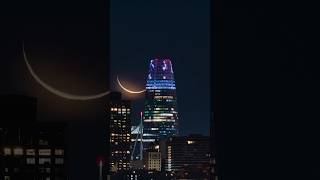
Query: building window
[(7, 151), (59, 152), (31, 160), (44, 160), (48, 170), (43, 142), (44, 152), (59, 160), (18, 151), (31, 152), (15, 170)]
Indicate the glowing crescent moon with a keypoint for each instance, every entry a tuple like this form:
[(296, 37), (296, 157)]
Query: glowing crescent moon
[(127, 90), (56, 91)]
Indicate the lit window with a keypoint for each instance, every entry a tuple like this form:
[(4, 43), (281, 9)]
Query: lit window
[(44, 160), (31, 160), (7, 151), (59, 152), (31, 152), (190, 142), (18, 151), (44, 152)]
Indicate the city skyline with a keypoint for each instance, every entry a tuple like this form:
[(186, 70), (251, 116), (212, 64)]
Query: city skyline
[(249, 64), (176, 30), (80, 57)]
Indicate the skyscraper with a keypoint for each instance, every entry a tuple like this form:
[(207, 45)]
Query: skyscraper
[(160, 113), (120, 130)]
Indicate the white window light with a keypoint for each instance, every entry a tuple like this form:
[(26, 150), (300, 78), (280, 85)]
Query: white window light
[(44, 152), (7, 151), (44, 160), (31, 160), (17, 151), (59, 152)]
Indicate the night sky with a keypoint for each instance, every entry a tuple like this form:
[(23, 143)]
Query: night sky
[(178, 30), (67, 45)]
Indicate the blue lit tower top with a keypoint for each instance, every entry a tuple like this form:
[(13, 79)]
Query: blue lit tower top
[(160, 113), (160, 75)]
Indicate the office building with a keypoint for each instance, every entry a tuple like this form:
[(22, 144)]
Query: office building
[(188, 156), (119, 122), (160, 112)]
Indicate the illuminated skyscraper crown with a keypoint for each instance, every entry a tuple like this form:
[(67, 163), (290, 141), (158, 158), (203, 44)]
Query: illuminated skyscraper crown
[(160, 112), (160, 75)]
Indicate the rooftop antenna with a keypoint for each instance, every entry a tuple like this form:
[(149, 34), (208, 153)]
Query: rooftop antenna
[(141, 136)]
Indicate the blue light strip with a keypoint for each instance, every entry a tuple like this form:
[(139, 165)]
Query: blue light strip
[(160, 81), (160, 84), (160, 88)]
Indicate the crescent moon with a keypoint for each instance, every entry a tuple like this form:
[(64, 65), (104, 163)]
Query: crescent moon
[(128, 90), (58, 92)]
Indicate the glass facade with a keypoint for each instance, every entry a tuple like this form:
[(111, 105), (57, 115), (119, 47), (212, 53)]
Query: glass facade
[(160, 113)]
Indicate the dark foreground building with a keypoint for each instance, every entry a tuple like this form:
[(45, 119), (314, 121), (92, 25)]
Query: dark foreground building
[(188, 157), (29, 149), (142, 175)]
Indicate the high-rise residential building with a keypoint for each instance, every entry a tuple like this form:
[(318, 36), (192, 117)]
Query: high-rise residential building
[(119, 124), (188, 156), (30, 149), (160, 112)]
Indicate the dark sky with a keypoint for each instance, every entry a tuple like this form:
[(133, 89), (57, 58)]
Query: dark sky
[(67, 45), (179, 30)]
